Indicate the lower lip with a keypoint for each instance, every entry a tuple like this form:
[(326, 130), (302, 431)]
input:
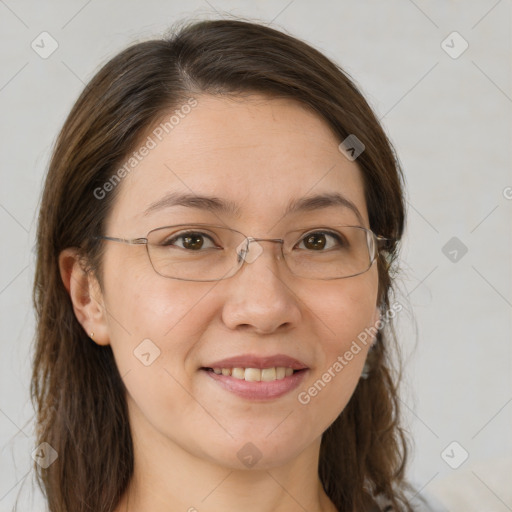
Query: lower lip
[(258, 390)]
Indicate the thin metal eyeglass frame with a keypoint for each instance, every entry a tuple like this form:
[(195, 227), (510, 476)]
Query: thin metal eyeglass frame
[(144, 241)]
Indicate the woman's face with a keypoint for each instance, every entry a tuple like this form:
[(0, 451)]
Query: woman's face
[(258, 155)]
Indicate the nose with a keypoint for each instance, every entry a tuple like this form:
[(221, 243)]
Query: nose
[(261, 296)]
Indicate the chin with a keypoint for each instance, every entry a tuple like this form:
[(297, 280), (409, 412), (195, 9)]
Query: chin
[(257, 454)]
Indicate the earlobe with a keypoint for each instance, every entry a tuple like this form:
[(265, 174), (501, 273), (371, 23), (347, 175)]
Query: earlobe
[(85, 294)]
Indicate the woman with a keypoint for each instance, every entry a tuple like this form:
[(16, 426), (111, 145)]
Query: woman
[(218, 226)]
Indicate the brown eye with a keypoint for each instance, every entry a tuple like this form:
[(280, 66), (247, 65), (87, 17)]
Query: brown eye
[(315, 241), (194, 242), (319, 240), (190, 241)]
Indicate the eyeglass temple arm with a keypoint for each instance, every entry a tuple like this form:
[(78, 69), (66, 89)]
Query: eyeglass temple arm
[(384, 244), (123, 240)]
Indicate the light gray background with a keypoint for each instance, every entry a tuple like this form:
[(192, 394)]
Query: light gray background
[(449, 119)]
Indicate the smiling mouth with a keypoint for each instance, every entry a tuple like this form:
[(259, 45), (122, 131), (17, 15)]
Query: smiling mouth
[(255, 374)]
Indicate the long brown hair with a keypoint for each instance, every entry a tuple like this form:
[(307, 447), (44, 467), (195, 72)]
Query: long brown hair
[(76, 388)]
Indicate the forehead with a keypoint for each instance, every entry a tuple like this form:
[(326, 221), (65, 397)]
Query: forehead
[(256, 154)]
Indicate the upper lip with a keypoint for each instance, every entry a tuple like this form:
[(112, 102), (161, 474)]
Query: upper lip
[(253, 361)]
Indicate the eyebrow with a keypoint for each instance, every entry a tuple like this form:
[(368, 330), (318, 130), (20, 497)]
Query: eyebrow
[(216, 204), (316, 202), (210, 203)]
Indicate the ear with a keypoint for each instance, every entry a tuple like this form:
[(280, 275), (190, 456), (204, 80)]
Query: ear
[(86, 296)]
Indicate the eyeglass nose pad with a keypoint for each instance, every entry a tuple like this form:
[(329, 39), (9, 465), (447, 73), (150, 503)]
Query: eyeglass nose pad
[(245, 252)]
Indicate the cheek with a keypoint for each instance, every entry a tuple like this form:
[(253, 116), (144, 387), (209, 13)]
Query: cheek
[(154, 324), (138, 298), (148, 314), (345, 313), (345, 310)]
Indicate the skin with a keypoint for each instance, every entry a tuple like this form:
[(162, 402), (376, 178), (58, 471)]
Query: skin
[(187, 430)]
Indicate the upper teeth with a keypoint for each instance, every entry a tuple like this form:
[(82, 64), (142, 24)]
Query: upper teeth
[(256, 374)]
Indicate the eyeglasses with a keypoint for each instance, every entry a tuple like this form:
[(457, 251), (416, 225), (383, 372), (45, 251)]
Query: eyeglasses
[(204, 252)]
